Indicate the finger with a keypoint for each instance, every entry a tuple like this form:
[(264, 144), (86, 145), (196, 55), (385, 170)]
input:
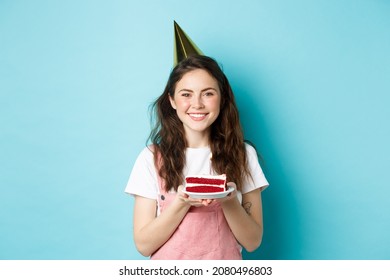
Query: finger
[(206, 202), (180, 191), (232, 184)]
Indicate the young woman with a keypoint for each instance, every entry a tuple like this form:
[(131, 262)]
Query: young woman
[(197, 131)]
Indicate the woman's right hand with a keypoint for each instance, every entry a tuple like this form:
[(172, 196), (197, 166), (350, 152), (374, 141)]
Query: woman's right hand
[(185, 198)]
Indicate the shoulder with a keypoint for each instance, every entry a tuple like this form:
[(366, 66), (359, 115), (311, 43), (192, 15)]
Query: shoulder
[(249, 147), (251, 151), (146, 153), (143, 177), (145, 159)]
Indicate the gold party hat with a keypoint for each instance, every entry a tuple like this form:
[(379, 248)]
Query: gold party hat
[(183, 45)]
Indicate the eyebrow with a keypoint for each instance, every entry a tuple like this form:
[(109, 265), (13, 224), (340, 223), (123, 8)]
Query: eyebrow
[(206, 89)]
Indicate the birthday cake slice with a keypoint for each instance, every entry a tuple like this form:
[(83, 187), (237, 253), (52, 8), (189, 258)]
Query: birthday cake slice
[(206, 183)]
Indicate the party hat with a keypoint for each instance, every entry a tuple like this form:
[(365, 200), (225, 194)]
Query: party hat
[(183, 45)]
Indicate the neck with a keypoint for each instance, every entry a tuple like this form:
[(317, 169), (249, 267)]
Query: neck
[(197, 140)]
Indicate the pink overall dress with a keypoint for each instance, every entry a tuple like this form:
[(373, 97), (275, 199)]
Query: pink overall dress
[(203, 234)]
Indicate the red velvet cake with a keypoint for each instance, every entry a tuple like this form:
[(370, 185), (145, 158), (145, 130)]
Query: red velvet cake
[(206, 183)]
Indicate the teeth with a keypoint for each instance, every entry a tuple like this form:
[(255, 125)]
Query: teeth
[(197, 115)]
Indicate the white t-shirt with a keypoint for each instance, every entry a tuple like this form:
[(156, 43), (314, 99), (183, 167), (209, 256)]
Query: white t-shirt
[(143, 177)]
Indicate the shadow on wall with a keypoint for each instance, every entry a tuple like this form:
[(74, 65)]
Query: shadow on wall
[(282, 236)]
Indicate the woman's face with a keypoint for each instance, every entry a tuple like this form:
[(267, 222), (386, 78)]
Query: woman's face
[(197, 101)]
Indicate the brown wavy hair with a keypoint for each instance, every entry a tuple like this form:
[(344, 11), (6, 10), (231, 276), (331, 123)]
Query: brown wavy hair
[(226, 138)]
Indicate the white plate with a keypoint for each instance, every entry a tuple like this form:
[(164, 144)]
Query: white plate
[(212, 195)]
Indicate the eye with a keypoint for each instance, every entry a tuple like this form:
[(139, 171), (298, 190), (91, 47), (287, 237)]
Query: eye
[(185, 94), (209, 93)]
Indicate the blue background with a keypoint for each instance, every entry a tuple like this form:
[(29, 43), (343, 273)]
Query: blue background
[(312, 84)]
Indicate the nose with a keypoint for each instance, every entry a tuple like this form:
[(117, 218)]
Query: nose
[(197, 102)]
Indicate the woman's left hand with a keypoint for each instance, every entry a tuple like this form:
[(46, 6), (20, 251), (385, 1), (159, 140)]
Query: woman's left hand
[(231, 196)]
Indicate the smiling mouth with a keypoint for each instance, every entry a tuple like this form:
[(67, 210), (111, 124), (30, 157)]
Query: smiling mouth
[(197, 117)]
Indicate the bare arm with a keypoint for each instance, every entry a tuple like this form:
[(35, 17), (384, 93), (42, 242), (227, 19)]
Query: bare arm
[(246, 220)]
